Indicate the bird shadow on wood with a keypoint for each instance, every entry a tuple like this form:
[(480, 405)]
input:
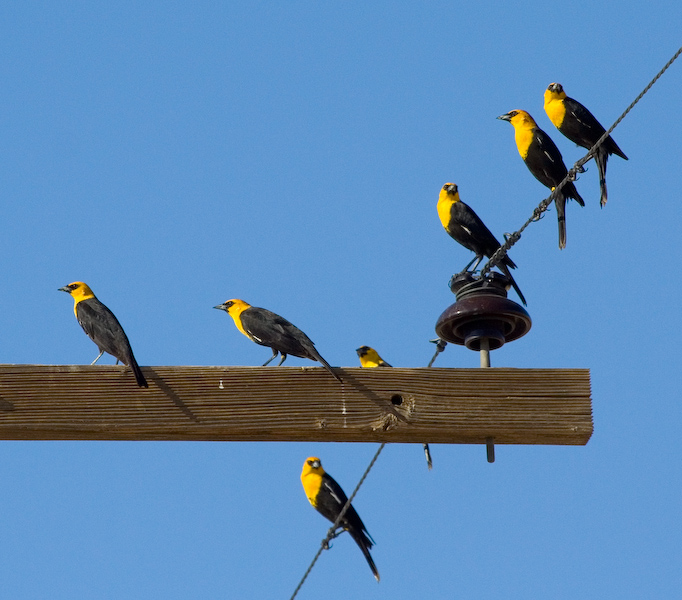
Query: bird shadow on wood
[(166, 389), (391, 415), (6, 405)]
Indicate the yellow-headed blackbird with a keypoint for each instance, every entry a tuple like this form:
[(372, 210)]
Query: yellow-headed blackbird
[(369, 358), (465, 227), (544, 161), (102, 327), (328, 499), (269, 329), (580, 126)]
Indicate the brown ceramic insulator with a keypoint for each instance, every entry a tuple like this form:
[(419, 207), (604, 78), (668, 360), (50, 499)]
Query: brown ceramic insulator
[(482, 311)]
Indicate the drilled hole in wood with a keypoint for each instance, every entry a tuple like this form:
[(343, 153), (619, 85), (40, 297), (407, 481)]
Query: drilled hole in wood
[(396, 399)]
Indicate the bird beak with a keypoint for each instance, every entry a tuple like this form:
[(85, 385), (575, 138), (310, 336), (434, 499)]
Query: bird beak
[(505, 117), (64, 289), (315, 464), (220, 307)]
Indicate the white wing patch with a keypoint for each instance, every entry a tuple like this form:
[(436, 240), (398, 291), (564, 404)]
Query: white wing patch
[(334, 495)]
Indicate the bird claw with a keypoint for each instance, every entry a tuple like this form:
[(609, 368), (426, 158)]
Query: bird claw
[(330, 536), (573, 173)]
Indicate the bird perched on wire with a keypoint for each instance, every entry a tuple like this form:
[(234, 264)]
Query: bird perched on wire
[(369, 359), (464, 226), (544, 161), (102, 327), (269, 329), (328, 499), (581, 127)]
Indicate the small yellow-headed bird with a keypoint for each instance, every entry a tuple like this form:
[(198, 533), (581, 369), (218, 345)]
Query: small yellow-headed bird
[(544, 161), (465, 227), (102, 327), (581, 127), (369, 359), (269, 329), (328, 499)]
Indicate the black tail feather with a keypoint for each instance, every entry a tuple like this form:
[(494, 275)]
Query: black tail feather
[(506, 271), (325, 364), (365, 544), (141, 381)]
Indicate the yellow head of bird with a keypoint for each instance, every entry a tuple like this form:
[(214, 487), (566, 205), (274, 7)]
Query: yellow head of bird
[(369, 357), (78, 290), (362, 350), (312, 464), (449, 191), (233, 307), (448, 196), (520, 119), (554, 91)]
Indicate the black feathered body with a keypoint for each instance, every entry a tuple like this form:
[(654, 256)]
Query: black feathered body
[(467, 228), (269, 329), (329, 502), (582, 128), (545, 162), (103, 328)]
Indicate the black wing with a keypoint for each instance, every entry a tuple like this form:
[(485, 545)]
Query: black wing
[(331, 499), (544, 160), (269, 329), (104, 329), (474, 232), (581, 127)]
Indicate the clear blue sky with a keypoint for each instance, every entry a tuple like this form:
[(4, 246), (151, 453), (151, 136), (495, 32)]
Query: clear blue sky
[(174, 155)]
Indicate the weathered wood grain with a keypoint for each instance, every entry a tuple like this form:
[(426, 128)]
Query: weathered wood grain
[(514, 406)]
